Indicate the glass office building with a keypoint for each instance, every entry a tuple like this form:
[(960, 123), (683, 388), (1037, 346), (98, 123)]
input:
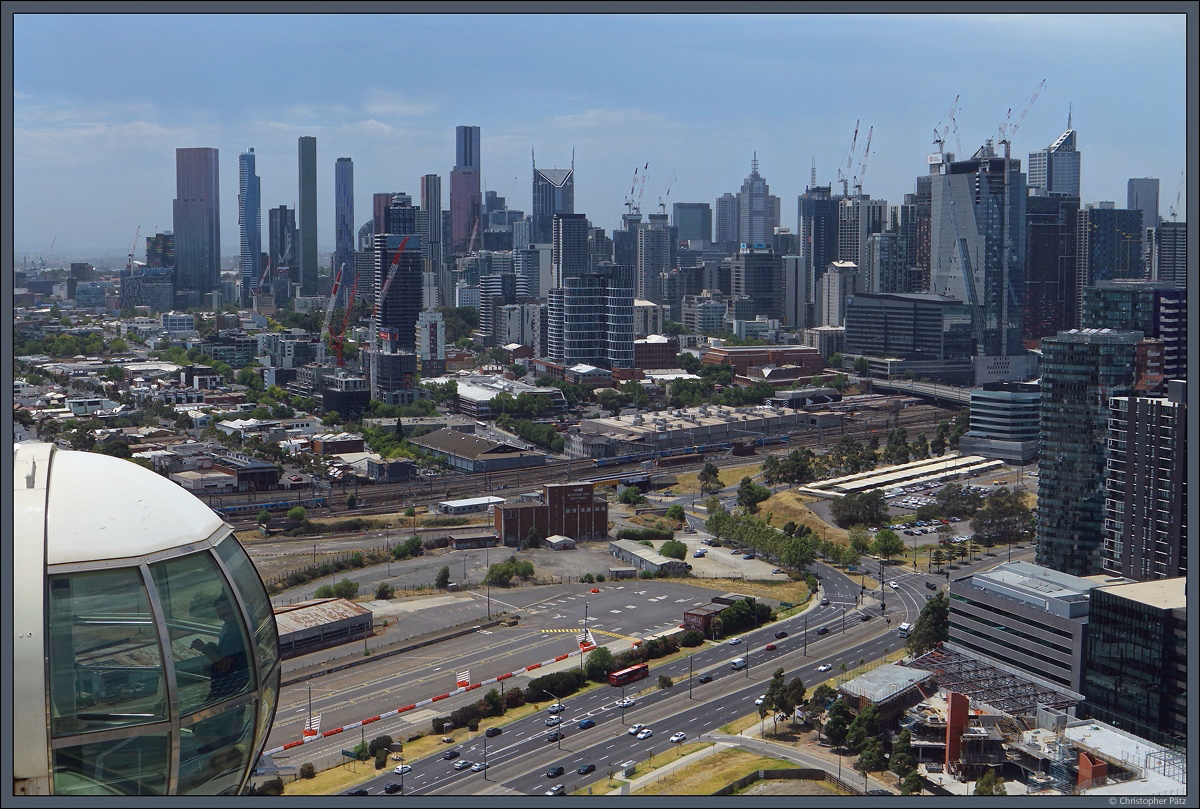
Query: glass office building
[(146, 656)]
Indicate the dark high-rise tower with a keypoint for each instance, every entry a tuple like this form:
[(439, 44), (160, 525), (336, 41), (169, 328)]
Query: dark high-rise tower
[(1081, 372), (818, 229), (307, 254), (1142, 195), (1050, 265), (431, 202), (553, 193), (466, 201), (343, 216), (197, 220), (1109, 246), (250, 225), (693, 219), (282, 237)]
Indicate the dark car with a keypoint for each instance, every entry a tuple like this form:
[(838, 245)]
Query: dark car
[(449, 754), (706, 678), (358, 792), (586, 768), (930, 585), (781, 634), (866, 616), (554, 772), (391, 787), (553, 736), (823, 630), (490, 732), (748, 556)]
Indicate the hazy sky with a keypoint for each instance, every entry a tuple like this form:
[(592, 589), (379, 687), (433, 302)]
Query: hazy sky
[(101, 102)]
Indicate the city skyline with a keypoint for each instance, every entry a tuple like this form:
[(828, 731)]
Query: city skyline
[(96, 133)]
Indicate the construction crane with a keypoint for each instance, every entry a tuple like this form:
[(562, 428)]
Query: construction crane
[(387, 284), (1009, 294), (632, 188), (862, 167), (340, 340), (662, 206), (844, 176), (939, 139), (333, 296), (132, 248), (637, 209), (1178, 195)]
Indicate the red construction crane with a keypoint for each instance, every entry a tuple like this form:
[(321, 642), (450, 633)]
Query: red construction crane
[(333, 296), (339, 340), (387, 283)]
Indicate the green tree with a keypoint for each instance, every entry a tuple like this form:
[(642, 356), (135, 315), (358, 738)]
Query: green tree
[(720, 523), (493, 703), (860, 540), (384, 591), (1003, 520), (887, 545), (599, 664), (990, 784), (870, 758), (664, 682), (264, 517), (631, 496), (750, 495), (345, 589), (675, 513), (351, 500), (443, 578), (673, 549), (902, 761), (912, 784), (837, 723), (297, 514), (710, 479), (865, 726), (931, 627), (412, 546)]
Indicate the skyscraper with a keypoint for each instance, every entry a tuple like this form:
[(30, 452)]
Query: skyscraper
[(282, 236), (857, 218), (431, 201), (1050, 265), (591, 319), (1109, 246), (757, 210), (757, 272), (553, 193), (1142, 195), (1054, 171), (343, 216), (1145, 525), (970, 223), (250, 224), (196, 217), (817, 228), (1081, 372), (727, 221), (569, 245), (307, 254), (1170, 253), (694, 220), (466, 201), (1158, 309), (396, 313), (653, 259)]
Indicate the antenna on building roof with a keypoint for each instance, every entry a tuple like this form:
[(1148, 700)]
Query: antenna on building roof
[(812, 178), (754, 163), (532, 158), (1069, 111), (572, 159)]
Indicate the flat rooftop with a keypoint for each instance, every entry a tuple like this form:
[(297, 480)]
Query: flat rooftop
[(1166, 594), (885, 681)]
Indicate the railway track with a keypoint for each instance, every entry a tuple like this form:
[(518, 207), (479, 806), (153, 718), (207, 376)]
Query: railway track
[(384, 498)]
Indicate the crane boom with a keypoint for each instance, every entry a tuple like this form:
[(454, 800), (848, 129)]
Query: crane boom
[(862, 167), (333, 294)]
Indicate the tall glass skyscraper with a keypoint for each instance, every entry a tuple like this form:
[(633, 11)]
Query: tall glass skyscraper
[(553, 193), (1081, 371), (978, 219), (343, 216), (758, 211), (1054, 171), (466, 201), (307, 254), (197, 220), (250, 225)]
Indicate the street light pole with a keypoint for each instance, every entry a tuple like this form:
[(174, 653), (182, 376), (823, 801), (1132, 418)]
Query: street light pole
[(557, 728)]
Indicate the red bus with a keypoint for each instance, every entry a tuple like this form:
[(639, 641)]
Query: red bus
[(629, 675)]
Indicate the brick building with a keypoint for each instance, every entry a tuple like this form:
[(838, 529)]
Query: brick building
[(570, 509), (743, 358)]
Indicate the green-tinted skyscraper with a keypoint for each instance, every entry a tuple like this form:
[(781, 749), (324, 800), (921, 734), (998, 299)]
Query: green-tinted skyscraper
[(308, 216)]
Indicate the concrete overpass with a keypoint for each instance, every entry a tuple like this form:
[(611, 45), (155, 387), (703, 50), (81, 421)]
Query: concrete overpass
[(942, 395)]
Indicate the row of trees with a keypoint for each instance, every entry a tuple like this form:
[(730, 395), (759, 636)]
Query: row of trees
[(544, 435)]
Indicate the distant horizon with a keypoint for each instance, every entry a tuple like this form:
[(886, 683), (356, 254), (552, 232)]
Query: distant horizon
[(693, 96)]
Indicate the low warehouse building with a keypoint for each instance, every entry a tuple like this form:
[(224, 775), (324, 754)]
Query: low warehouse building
[(308, 626)]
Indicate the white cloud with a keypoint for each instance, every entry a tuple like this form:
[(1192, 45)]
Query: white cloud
[(384, 105)]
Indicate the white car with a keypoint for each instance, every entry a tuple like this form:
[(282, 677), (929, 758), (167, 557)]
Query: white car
[(893, 585), (402, 769), (638, 728), (734, 641), (478, 766), (461, 764), (626, 702), (557, 707), (553, 720), (824, 667), (678, 737), (761, 699), (645, 733)]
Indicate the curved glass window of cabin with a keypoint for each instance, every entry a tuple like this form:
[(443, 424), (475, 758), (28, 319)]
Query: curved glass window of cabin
[(207, 632), (105, 664), (129, 765)]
